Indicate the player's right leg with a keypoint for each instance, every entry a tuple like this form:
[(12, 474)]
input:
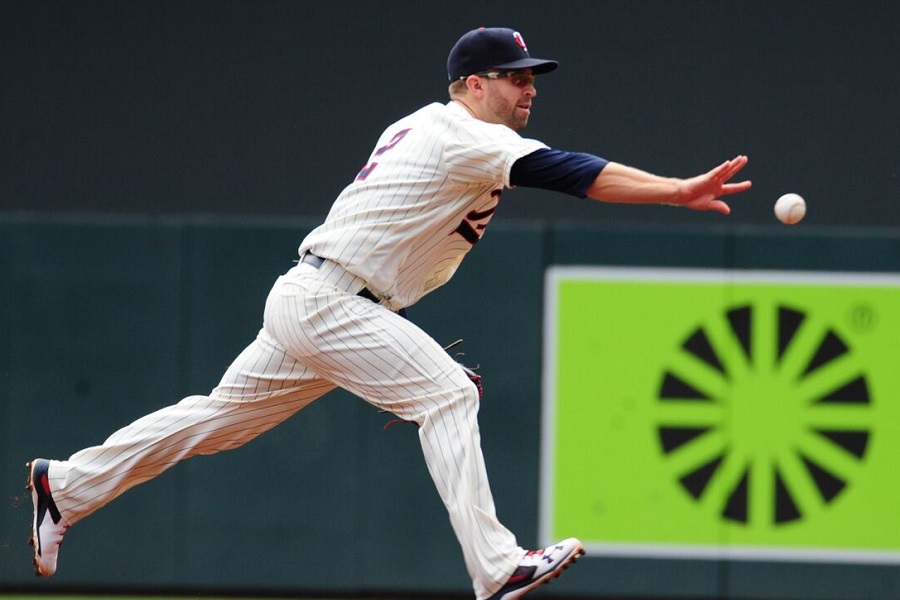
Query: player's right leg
[(47, 525), (261, 388)]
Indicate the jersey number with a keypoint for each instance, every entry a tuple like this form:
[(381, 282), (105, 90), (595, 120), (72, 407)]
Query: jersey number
[(367, 170), (470, 228)]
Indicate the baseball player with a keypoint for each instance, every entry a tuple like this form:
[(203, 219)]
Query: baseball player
[(399, 230)]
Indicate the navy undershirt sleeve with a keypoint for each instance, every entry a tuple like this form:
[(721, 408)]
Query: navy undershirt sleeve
[(567, 172)]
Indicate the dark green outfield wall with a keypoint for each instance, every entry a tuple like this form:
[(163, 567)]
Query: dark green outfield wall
[(103, 320)]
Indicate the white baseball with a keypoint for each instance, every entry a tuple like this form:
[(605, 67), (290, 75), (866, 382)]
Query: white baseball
[(790, 208)]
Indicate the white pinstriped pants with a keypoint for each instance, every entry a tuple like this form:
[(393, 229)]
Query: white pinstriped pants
[(317, 334)]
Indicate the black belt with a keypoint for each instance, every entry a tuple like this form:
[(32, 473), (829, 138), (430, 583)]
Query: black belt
[(317, 261)]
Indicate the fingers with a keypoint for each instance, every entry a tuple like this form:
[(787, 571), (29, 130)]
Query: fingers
[(715, 205), (737, 164), (726, 171), (719, 206), (734, 188), (708, 188), (729, 168), (709, 202)]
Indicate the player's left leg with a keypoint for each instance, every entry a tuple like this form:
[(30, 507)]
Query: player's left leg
[(402, 370), (394, 365)]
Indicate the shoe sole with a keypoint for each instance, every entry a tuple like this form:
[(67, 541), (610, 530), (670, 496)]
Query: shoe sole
[(33, 541), (548, 577)]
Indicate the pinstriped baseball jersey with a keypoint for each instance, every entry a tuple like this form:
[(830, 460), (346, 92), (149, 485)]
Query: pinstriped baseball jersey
[(422, 201)]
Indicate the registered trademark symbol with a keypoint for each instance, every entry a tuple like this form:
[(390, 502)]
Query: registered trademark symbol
[(862, 317)]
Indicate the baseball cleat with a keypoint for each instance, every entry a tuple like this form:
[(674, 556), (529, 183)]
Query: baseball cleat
[(539, 567), (46, 533)]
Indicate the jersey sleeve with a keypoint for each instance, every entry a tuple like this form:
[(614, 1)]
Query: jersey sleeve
[(567, 172), (486, 153)]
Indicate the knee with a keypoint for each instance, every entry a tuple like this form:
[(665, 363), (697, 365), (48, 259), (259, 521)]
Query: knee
[(462, 397)]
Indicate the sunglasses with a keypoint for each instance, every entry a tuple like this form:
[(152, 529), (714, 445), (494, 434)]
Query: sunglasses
[(517, 78)]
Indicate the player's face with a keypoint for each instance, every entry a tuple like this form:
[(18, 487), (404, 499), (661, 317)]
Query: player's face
[(508, 98)]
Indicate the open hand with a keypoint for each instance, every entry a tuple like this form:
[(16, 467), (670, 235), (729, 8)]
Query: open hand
[(703, 192)]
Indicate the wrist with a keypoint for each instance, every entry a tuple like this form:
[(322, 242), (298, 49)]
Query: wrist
[(678, 193)]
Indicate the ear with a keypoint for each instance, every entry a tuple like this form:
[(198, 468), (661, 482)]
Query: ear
[(475, 85)]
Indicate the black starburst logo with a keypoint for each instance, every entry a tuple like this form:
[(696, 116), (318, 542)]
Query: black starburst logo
[(763, 414)]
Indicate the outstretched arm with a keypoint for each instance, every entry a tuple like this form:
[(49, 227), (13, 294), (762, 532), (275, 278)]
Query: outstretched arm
[(623, 184)]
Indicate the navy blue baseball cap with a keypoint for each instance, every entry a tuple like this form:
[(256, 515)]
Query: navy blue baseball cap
[(493, 48)]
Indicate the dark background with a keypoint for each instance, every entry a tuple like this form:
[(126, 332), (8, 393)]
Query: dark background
[(271, 107)]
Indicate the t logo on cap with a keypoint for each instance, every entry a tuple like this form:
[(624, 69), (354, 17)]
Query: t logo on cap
[(520, 41), (493, 48)]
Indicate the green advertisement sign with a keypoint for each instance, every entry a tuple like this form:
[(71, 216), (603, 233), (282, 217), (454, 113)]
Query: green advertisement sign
[(715, 414)]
